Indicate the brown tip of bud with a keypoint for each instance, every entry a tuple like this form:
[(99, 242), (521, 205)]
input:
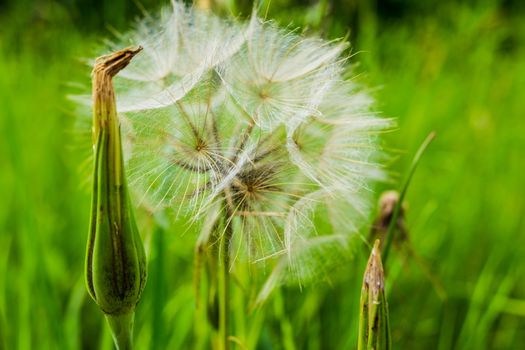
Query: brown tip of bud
[(106, 67), (114, 62), (374, 277)]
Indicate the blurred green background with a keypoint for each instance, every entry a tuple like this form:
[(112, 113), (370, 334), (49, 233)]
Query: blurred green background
[(456, 67)]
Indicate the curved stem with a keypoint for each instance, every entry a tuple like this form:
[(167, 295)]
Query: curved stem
[(397, 209)]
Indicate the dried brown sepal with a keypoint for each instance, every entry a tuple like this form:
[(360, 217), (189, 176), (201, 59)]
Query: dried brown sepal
[(106, 67)]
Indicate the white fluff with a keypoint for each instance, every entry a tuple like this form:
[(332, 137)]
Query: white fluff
[(256, 119)]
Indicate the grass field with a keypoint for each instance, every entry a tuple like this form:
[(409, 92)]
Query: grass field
[(458, 69)]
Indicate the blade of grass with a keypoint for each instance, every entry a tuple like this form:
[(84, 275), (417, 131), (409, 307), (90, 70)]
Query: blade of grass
[(393, 221)]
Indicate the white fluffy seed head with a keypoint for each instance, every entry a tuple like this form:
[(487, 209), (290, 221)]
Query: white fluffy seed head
[(253, 122)]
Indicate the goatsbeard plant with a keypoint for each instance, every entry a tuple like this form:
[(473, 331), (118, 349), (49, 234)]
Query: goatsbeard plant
[(254, 133)]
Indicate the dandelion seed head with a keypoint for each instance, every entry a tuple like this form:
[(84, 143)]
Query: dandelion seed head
[(252, 127)]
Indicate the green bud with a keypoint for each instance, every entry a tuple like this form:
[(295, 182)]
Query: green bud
[(115, 258), (374, 328)]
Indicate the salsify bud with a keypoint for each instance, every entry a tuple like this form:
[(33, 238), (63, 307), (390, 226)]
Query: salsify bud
[(374, 328), (115, 258)]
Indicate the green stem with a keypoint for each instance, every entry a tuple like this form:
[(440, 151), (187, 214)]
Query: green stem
[(397, 209), (122, 330), (286, 326), (159, 287), (224, 285)]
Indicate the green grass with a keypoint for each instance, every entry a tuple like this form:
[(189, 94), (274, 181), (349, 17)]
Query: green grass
[(455, 69)]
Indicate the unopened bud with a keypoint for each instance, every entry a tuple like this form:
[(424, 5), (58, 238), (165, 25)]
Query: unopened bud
[(374, 329), (115, 258)]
